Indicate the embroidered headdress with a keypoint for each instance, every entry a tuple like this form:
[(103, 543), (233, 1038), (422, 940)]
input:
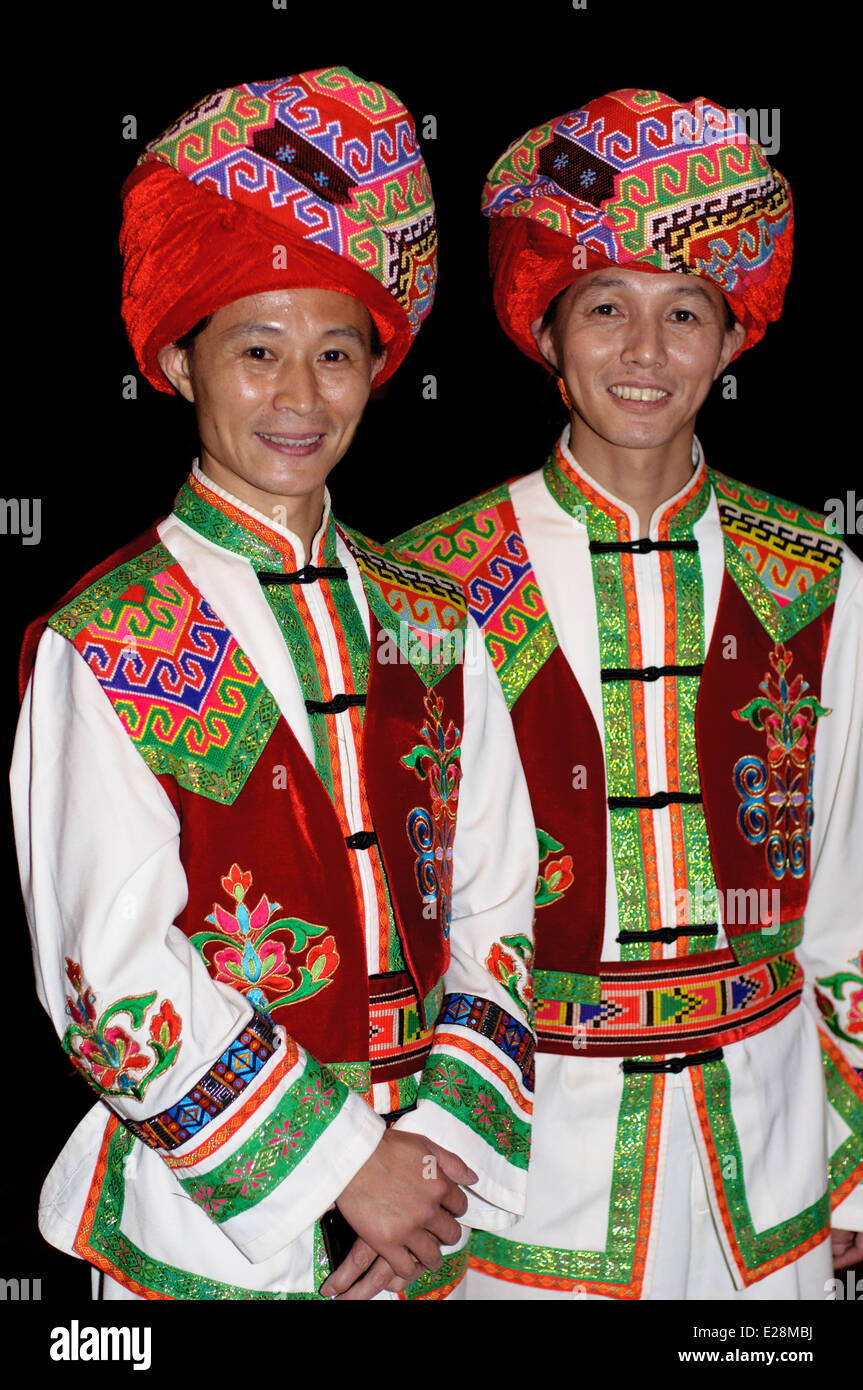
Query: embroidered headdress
[(635, 179), (315, 180)]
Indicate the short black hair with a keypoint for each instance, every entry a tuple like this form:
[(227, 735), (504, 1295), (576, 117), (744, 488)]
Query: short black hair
[(187, 339), (551, 312)]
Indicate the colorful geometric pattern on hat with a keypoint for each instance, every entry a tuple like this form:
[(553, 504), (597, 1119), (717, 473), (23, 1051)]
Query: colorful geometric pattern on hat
[(637, 177), (330, 156)]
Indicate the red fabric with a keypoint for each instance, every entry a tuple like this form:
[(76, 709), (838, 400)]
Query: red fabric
[(188, 251), (726, 686), (395, 715), (532, 264), (556, 734)]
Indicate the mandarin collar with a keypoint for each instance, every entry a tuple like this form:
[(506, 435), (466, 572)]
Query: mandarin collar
[(226, 521)]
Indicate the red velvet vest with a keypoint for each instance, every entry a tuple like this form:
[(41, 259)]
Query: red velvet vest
[(756, 714), (269, 872)]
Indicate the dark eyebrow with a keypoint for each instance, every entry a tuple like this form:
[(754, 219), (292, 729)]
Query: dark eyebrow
[(239, 329)]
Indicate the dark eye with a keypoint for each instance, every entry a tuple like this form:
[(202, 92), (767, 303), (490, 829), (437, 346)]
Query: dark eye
[(257, 354), (334, 355), (687, 313), (604, 310)]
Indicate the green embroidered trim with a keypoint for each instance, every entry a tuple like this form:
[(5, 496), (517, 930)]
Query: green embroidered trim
[(614, 1265), (565, 986), (408, 1089), (453, 1268), (107, 1239), (212, 523), (849, 1155), (429, 590), (689, 645), (620, 762), (289, 1134), (516, 674), (357, 1076), (756, 1247), (293, 629), (764, 504), (760, 943), (418, 537), (76, 615), (456, 1087), (780, 623), (223, 786)]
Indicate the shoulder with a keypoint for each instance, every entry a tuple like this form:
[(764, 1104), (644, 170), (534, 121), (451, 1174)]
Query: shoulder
[(103, 583), (394, 579), (455, 540)]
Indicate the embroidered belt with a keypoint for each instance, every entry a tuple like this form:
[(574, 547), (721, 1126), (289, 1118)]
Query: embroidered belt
[(398, 1042), (680, 1005)]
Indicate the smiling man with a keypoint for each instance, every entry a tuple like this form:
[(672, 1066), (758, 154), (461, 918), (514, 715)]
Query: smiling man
[(672, 645), (248, 740)]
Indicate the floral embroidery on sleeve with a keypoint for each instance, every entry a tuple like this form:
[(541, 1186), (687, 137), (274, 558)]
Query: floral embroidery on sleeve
[(556, 875), (513, 969), (111, 1059)]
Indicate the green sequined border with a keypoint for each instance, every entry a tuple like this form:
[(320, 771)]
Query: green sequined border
[(76, 615), (780, 623), (418, 536), (519, 670), (451, 1271), (212, 523), (460, 1090), (615, 1264), (565, 986), (756, 1247), (107, 1239), (285, 1138), (760, 944), (848, 1157)]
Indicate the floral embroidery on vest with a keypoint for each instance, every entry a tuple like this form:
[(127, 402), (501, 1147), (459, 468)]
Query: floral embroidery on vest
[(557, 875), (431, 836), (776, 796), (252, 960), (109, 1056)]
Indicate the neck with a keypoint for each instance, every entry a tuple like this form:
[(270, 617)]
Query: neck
[(302, 515), (642, 478)]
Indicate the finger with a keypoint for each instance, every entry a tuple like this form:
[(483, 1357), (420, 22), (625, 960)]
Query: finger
[(452, 1166), (424, 1248), (358, 1259), (444, 1229), (454, 1200), (380, 1276), (846, 1259)]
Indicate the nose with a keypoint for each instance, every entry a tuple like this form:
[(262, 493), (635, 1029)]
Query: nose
[(296, 387), (644, 344)]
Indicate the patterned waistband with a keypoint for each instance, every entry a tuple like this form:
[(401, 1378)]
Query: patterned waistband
[(398, 1042), (680, 1005)]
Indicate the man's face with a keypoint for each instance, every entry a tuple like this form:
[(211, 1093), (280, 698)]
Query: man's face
[(638, 353), (279, 382)]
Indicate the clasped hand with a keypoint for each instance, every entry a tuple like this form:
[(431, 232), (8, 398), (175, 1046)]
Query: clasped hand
[(403, 1205)]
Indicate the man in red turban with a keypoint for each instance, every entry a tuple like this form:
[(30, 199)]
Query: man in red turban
[(248, 739), (672, 644)]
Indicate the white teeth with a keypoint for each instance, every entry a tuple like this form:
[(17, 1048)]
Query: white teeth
[(637, 393), (283, 439)]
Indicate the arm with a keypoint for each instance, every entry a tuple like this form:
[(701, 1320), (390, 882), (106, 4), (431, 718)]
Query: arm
[(833, 940), (98, 843)]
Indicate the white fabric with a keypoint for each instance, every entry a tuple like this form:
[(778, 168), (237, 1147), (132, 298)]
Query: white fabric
[(785, 1126), (98, 845)]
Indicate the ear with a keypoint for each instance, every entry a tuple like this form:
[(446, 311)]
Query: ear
[(174, 362), (544, 339), (378, 364), (733, 340)]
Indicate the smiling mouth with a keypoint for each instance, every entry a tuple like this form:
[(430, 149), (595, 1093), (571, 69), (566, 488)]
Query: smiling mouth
[(638, 393), (291, 441)]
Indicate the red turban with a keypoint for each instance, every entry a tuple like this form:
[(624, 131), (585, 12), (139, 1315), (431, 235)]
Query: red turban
[(635, 179), (313, 181)]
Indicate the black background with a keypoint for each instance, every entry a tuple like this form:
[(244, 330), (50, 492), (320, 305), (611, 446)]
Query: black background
[(104, 467)]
